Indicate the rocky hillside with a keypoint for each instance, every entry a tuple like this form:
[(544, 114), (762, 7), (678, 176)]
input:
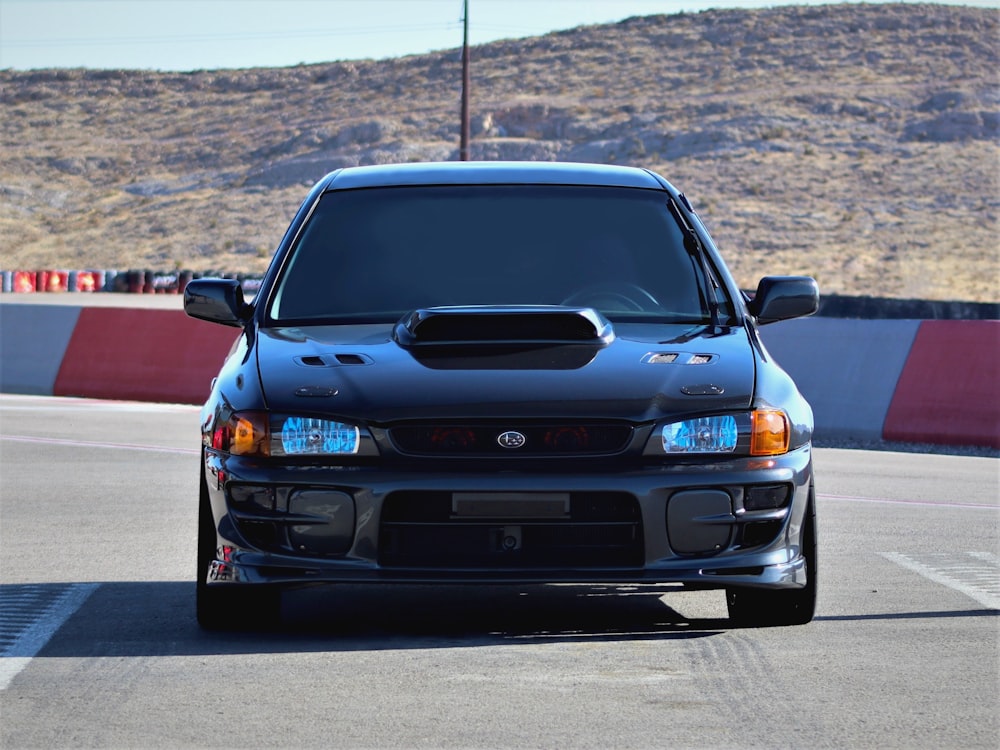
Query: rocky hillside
[(856, 143)]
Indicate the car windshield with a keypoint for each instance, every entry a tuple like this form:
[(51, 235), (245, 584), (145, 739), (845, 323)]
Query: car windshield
[(372, 255)]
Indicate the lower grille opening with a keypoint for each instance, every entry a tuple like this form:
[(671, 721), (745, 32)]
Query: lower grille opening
[(260, 534), (758, 533), (598, 530)]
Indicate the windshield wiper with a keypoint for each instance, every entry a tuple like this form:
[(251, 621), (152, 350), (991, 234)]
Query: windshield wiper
[(695, 249)]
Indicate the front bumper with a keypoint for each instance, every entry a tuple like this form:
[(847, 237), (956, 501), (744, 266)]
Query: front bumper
[(683, 523)]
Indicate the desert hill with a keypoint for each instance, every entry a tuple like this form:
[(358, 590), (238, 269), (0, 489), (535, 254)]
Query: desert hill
[(856, 143)]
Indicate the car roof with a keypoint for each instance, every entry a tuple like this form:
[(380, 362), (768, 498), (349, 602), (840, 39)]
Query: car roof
[(492, 173)]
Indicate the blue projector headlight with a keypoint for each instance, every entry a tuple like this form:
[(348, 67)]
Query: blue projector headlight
[(304, 436), (703, 435)]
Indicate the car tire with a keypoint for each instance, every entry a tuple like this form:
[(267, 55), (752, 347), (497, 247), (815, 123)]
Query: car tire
[(222, 607), (756, 608)]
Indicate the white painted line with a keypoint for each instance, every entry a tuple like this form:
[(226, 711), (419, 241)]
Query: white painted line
[(989, 557), (92, 444), (989, 599), (921, 503), (17, 402), (21, 639)]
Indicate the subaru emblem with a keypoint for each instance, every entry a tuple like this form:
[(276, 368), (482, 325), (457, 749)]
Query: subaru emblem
[(511, 439)]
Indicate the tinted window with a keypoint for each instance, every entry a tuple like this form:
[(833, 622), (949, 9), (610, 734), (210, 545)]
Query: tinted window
[(376, 254)]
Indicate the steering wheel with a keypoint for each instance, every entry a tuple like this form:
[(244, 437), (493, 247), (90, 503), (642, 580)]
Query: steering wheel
[(620, 296)]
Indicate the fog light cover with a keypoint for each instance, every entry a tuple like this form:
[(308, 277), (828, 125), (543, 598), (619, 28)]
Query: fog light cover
[(330, 527), (262, 498), (766, 497), (716, 434)]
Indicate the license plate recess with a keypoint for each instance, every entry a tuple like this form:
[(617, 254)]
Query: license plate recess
[(510, 505)]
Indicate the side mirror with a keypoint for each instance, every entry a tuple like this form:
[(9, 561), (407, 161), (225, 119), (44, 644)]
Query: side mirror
[(784, 297), (217, 301)]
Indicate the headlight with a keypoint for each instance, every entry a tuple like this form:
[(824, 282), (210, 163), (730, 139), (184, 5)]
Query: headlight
[(762, 432), (310, 436), (263, 434), (703, 435)]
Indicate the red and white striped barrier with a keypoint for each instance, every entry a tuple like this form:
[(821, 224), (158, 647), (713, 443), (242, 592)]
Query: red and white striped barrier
[(928, 381)]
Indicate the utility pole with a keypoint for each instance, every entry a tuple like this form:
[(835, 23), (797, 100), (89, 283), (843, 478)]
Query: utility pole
[(463, 148)]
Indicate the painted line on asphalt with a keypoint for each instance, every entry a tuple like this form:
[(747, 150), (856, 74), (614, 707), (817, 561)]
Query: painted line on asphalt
[(93, 444), (18, 402), (975, 574), (30, 615), (924, 503)]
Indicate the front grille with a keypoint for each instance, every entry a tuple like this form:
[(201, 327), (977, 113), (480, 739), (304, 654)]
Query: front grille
[(499, 439), (520, 531)]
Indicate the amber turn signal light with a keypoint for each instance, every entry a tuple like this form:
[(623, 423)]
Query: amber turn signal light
[(769, 433)]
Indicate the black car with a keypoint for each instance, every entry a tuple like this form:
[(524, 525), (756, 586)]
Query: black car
[(518, 373)]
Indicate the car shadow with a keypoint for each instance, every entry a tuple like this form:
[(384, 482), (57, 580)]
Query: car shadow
[(553, 612), (157, 619)]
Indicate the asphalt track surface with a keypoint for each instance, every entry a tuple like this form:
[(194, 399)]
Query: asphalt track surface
[(99, 646)]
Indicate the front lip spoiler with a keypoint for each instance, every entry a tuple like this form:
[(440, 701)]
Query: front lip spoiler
[(789, 575)]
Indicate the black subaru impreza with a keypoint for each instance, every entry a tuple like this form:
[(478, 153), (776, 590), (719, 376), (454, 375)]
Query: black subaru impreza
[(518, 373)]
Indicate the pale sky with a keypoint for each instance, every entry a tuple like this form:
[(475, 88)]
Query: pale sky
[(183, 35)]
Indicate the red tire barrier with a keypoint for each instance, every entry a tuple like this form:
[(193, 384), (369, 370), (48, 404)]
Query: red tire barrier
[(86, 281), (133, 281), (52, 281), (24, 281), (947, 392), (182, 280)]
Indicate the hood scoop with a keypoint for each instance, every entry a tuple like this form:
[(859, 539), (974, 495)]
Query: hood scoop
[(503, 326)]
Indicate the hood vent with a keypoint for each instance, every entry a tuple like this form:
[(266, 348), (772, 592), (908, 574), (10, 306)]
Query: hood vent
[(503, 325), (679, 358), (351, 359), (332, 360)]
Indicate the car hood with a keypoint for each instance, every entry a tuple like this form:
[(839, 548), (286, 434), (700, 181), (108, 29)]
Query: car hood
[(642, 373)]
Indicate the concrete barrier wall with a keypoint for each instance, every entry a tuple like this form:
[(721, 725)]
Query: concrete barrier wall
[(846, 369), (33, 341), (948, 392), (930, 381), (142, 355)]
